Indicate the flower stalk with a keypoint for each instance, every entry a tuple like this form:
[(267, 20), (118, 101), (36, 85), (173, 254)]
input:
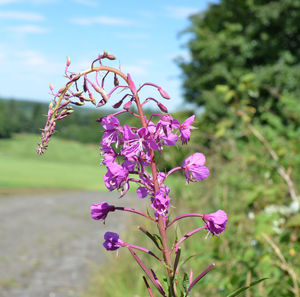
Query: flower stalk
[(127, 153)]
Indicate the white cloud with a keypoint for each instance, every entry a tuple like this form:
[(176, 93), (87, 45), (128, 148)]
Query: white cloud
[(3, 2), (20, 15), (180, 12), (103, 20), (35, 62), (28, 29), (92, 3)]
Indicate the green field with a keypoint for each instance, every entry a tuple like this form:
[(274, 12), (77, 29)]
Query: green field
[(66, 165)]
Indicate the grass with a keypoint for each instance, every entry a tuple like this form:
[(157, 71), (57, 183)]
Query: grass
[(66, 165)]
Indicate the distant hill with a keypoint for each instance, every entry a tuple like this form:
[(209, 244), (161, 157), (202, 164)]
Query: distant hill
[(25, 116)]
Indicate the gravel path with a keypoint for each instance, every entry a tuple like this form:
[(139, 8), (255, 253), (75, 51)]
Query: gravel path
[(49, 243)]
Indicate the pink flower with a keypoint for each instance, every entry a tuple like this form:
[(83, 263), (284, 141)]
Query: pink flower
[(216, 221), (194, 169)]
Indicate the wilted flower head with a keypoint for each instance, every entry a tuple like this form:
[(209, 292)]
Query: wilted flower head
[(194, 169), (216, 221), (99, 211), (112, 241)]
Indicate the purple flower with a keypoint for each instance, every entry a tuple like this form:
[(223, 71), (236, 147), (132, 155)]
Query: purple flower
[(185, 129), (170, 139), (136, 143), (161, 204), (112, 241), (108, 153), (116, 176), (113, 130), (168, 121), (194, 169), (142, 192), (161, 201), (99, 211), (216, 221)]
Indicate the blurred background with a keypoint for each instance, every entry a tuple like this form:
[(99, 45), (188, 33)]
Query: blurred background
[(236, 64)]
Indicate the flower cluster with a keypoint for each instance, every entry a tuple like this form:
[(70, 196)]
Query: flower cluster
[(129, 156), (127, 151)]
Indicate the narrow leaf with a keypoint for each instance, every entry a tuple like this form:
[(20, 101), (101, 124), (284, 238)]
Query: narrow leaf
[(148, 287), (195, 281), (142, 265), (242, 289), (176, 261), (154, 237)]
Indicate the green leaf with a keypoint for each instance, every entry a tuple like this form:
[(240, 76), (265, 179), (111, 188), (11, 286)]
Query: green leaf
[(154, 237), (242, 289), (294, 221), (185, 282), (177, 260)]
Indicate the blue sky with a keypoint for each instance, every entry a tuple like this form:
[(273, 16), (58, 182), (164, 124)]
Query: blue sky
[(37, 35)]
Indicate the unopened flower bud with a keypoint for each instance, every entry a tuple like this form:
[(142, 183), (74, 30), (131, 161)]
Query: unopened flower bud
[(116, 80), (101, 92), (101, 103), (162, 107), (131, 84), (77, 94), (68, 61), (163, 93), (92, 98), (110, 57), (78, 103), (85, 88), (127, 105), (51, 87), (118, 104)]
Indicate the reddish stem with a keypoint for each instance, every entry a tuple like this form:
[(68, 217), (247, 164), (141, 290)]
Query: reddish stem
[(134, 211), (187, 235), (148, 287), (186, 215), (198, 278), (145, 251), (161, 221)]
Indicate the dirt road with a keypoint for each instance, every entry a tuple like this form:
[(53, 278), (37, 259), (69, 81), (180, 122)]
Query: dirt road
[(48, 243)]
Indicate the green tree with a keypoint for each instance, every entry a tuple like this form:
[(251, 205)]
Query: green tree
[(5, 125), (244, 70), (233, 39)]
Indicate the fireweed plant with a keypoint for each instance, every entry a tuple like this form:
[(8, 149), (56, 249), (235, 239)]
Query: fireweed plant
[(129, 156)]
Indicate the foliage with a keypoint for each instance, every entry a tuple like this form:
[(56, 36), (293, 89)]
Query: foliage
[(244, 71), (252, 41)]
